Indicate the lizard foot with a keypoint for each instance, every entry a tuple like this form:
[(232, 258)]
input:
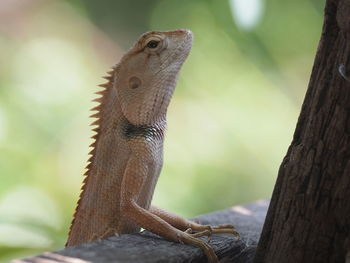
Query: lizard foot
[(206, 230), (189, 238), (109, 232), (198, 234)]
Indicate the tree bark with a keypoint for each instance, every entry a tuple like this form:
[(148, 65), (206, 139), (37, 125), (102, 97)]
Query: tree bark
[(309, 216)]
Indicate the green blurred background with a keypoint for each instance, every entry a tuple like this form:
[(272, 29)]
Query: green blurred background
[(230, 121)]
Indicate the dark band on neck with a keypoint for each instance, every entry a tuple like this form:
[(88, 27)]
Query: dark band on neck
[(132, 131)]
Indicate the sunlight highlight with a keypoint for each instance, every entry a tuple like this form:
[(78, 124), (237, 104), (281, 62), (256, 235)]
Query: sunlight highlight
[(247, 13), (242, 210)]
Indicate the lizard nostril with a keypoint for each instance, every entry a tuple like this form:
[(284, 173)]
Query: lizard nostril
[(184, 32)]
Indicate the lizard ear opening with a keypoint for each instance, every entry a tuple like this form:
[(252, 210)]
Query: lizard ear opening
[(135, 82)]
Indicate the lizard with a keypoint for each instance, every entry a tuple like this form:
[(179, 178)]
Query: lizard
[(127, 152)]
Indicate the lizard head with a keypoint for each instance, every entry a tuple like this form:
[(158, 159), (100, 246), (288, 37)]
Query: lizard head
[(146, 76)]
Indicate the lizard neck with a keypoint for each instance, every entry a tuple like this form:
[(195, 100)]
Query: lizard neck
[(148, 132)]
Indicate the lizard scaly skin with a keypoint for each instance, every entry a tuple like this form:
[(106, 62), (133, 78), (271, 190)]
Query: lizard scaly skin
[(127, 154)]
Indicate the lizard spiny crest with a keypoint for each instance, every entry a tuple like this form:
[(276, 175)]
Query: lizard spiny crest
[(97, 115)]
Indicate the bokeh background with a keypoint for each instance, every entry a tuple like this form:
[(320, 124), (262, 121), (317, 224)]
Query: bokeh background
[(230, 121)]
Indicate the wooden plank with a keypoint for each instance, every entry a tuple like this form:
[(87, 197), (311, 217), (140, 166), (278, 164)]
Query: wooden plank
[(146, 247)]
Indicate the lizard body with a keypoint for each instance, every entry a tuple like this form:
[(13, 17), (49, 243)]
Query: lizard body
[(127, 154)]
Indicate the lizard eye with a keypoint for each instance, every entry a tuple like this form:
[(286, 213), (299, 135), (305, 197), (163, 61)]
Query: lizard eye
[(152, 44)]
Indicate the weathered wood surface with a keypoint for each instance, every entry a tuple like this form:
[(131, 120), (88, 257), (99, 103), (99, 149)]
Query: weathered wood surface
[(146, 247)]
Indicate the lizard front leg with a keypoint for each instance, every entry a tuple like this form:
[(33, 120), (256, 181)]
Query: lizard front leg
[(184, 224), (133, 180)]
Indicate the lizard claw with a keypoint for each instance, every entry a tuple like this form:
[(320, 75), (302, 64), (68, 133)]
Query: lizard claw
[(188, 230), (191, 239)]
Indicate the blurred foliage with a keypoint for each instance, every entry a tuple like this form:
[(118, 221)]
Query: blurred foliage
[(230, 121)]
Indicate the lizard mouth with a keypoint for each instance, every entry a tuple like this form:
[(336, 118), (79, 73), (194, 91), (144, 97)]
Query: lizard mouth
[(181, 52)]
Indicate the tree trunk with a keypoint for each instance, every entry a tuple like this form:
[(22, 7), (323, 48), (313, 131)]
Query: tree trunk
[(309, 216)]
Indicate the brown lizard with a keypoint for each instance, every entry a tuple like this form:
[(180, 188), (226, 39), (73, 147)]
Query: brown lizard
[(127, 154)]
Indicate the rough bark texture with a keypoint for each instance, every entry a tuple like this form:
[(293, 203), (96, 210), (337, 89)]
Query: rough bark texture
[(146, 247), (309, 216)]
